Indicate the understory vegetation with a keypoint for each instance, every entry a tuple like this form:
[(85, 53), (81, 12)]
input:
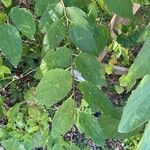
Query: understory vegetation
[(75, 74)]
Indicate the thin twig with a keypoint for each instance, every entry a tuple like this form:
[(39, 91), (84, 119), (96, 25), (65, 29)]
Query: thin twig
[(103, 54), (72, 66), (7, 84), (17, 78), (65, 13), (118, 70)]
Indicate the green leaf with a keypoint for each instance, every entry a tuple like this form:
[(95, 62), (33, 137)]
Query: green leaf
[(123, 8), (61, 58), (28, 143), (139, 68), (91, 128), (64, 118), (52, 14), (93, 10), (144, 143), (77, 3), (136, 111), (72, 146), (7, 3), (136, 36), (77, 15), (38, 139), (60, 144), (3, 17), (10, 43), (12, 112), (143, 34), (11, 144), (101, 35), (90, 68), (109, 127), (29, 95), (1, 101), (40, 6), (24, 21), (4, 70), (101, 2), (34, 112), (98, 100), (57, 147), (80, 31), (2, 132), (50, 143), (54, 36), (50, 90), (83, 38)]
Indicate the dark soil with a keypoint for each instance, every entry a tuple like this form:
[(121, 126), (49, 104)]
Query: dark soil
[(115, 144), (79, 139)]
